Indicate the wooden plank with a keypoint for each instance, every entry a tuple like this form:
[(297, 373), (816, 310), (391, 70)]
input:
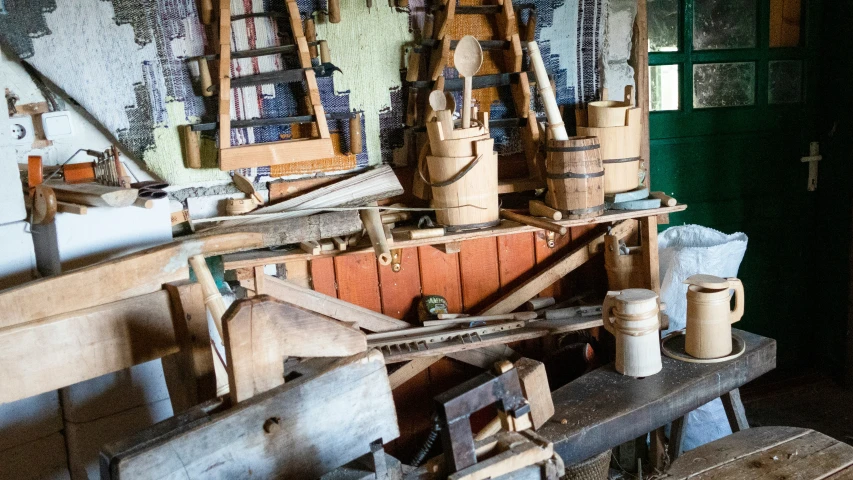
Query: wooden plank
[(54, 352), (676, 438), (332, 307), (517, 255), (604, 409), (580, 255), (317, 428), (440, 276), (640, 56), (323, 276), (224, 76), (275, 153), (410, 370), (261, 332), (400, 291), (297, 272), (479, 273), (358, 281), (189, 373), (649, 241), (534, 384)]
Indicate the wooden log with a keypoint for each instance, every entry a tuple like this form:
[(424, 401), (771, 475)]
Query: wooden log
[(321, 420), (54, 352), (261, 332), (331, 307), (94, 195), (284, 231)]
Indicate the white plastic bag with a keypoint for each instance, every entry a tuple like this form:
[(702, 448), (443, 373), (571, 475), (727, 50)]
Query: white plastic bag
[(685, 251)]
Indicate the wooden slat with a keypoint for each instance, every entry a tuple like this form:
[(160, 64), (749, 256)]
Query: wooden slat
[(517, 255), (324, 421), (275, 153), (224, 95), (261, 332), (358, 281), (410, 370), (55, 352), (401, 290), (440, 276), (649, 242), (323, 276), (479, 273)]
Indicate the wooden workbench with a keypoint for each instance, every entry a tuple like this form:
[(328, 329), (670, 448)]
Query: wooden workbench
[(603, 408)]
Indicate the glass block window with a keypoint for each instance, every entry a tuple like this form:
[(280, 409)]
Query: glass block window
[(724, 24), (664, 87), (785, 81), (663, 25), (723, 84)]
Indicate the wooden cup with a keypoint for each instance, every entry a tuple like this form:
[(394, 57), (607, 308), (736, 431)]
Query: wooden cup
[(709, 319), (633, 317)]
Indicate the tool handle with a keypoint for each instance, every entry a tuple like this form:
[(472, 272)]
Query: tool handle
[(311, 36), (534, 222), (325, 54), (204, 77), (205, 11), (538, 208), (355, 142), (552, 111), (191, 146), (737, 313), (335, 11), (466, 103), (665, 199)]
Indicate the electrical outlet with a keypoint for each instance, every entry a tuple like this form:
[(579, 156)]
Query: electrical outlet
[(23, 132)]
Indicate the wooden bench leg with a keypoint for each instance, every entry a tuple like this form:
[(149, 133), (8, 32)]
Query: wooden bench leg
[(734, 411), (676, 438)]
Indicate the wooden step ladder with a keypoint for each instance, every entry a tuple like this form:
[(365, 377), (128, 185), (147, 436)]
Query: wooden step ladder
[(272, 153)]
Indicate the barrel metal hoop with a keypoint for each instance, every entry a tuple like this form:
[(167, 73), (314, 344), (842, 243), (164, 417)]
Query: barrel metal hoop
[(560, 176), (622, 160), (581, 148)]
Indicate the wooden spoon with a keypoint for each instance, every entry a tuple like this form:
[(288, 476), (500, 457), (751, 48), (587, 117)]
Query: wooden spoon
[(437, 100), (468, 59)]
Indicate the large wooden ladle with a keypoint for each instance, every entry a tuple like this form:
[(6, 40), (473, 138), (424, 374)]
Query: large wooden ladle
[(468, 59)]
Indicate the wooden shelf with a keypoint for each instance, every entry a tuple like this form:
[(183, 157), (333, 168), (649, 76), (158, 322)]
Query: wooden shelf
[(258, 258)]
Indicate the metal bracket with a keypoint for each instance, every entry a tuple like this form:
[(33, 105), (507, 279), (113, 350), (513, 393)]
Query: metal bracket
[(396, 258)]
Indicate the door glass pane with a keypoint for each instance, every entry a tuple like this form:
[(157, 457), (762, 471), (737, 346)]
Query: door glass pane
[(723, 84), (785, 81), (785, 23), (663, 82), (663, 25), (720, 24)]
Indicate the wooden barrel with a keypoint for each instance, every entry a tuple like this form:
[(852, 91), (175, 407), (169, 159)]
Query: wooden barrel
[(465, 188), (575, 177)]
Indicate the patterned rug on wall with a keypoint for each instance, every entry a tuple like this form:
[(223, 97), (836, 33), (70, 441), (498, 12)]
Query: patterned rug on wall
[(124, 62)]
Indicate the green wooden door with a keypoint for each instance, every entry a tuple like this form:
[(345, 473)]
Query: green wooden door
[(732, 98)]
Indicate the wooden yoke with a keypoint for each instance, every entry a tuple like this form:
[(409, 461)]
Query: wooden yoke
[(261, 332)]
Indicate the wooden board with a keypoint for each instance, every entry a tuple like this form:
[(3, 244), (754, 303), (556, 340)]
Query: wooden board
[(331, 307), (47, 354), (400, 291), (323, 276), (318, 430), (358, 281), (479, 273), (517, 255), (285, 231), (275, 153), (261, 332), (604, 409), (442, 278)]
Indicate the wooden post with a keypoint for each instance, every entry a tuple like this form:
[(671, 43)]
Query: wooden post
[(212, 298), (640, 62), (649, 242)]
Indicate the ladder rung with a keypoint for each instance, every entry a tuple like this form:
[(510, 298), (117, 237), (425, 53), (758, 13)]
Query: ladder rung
[(258, 52), (479, 81), (244, 16), (283, 76)]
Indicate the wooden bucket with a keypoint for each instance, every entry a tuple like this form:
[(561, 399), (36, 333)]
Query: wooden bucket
[(575, 177), (609, 113), (620, 152), (465, 188), (624, 270)]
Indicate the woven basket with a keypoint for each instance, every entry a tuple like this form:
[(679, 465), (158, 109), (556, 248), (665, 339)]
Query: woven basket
[(593, 468)]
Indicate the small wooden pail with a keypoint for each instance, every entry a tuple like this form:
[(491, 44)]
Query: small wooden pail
[(633, 317), (709, 316), (575, 177), (620, 152), (624, 270)]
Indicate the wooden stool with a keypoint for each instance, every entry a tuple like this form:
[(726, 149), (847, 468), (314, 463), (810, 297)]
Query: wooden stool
[(767, 452)]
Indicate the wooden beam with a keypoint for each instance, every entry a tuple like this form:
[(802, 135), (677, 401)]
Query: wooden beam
[(410, 370), (51, 353), (319, 421), (331, 307), (296, 229), (275, 153), (649, 242), (577, 257), (261, 332)]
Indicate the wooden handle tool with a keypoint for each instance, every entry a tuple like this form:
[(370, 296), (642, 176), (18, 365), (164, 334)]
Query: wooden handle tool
[(192, 150), (204, 77), (325, 54), (335, 11), (533, 222), (373, 225), (665, 199), (552, 111), (539, 209), (426, 233), (311, 36), (205, 11), (355, 142)]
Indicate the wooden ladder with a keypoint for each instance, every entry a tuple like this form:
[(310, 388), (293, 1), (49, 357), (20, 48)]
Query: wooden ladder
[(508, 31), (272, 153)]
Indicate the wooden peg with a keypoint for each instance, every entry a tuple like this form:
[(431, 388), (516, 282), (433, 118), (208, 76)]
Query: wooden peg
[(311, 36), (192, 150), (325, 54), (335, 11), (533, 222), (204, 77), (355, 142), (539, 209), (429, 25), (665, 199), (205, 11), (413, 66)]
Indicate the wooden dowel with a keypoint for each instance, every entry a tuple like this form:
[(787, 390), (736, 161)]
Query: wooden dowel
[(373, 225), (311, 36), (539, 209), (537, 303), (65, 207), (205, 11), (490, 429), (144, 203), (191, 145), (533, 222), (212, 298), (335, 11), (204, 77), (665, 199), (325, 54), (426, 233), (552, 111), (355, 145), (429, 25), (413, 66)]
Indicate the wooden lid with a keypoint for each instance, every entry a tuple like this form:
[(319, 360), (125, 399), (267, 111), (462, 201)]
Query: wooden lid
[(707, 281), (636, 295)]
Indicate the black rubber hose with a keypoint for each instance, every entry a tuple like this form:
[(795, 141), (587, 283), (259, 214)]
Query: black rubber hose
[(428, 443)]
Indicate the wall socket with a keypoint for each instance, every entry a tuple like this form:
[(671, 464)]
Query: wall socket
[(23, 132)]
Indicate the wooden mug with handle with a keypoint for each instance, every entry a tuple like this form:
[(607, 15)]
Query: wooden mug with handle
[(710, 316)]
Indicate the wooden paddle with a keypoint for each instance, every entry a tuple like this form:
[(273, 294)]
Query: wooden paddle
[(468, 59)]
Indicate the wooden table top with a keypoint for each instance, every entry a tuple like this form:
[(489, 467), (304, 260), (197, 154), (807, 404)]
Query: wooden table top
[(767, 453), (604, 408)]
